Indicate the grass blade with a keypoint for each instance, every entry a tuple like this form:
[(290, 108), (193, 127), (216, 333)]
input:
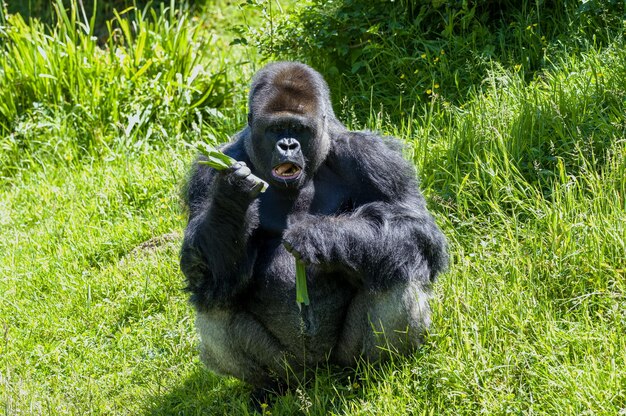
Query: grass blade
[(302, 293)]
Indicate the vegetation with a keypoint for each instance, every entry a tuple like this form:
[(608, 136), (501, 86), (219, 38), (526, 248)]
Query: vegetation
[(395, 53), (520, 150)]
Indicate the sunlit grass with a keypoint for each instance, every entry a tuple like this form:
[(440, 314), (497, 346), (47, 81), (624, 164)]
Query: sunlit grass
[(526, 178)]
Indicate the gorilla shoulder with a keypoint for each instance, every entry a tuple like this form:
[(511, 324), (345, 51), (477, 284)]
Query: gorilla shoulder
[(376, 161)]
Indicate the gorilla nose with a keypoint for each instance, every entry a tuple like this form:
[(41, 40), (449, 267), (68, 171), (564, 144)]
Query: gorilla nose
[(288, 146)]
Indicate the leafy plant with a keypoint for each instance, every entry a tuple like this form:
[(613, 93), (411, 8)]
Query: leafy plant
[(416, 49), (220, 161), (302, 293)]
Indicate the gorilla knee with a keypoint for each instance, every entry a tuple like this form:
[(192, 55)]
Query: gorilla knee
[(216, 351), (381, 324), (237, 345)]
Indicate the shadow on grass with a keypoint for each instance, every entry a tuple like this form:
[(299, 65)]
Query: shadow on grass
[(327, 389), (204, 393), (201, 393)]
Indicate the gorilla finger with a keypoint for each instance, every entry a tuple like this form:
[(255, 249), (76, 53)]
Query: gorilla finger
[(256, 189), (235, 166), (242, 172), (291, 250)]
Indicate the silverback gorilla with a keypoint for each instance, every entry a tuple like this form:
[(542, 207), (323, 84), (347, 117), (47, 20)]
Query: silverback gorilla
[(346, 203)]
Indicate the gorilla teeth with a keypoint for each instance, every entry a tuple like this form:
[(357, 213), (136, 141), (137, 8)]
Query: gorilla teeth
[(286, 170)]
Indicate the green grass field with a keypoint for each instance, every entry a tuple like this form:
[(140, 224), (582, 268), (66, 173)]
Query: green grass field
[(525, 172)]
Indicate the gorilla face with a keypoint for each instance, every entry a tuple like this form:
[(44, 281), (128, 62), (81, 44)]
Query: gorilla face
[(287, 124), (282, 148)]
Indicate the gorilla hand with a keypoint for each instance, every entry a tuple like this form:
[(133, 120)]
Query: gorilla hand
[(239, 180), (296, 254), (305, 242)]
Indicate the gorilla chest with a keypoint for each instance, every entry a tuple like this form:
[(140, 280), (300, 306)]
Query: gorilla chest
[(324, 196)]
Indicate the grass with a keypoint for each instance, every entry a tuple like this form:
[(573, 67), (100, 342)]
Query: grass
[(527, 177)]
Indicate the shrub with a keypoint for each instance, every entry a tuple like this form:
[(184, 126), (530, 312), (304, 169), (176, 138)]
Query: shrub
[(414, 49)]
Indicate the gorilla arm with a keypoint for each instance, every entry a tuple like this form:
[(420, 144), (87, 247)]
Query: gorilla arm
[(389, 237), (216, 256)]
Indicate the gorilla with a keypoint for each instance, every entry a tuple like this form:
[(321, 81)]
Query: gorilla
[(345, 203)]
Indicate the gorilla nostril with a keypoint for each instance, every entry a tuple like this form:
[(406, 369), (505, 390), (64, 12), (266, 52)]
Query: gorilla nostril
[(288, 144)]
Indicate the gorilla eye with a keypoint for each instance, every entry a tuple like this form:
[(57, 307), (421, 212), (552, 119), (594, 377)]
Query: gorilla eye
[(275, 129), (289, 128)]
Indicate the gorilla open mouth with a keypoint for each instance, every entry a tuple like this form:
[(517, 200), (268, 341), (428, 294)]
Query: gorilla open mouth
[(286, 171)]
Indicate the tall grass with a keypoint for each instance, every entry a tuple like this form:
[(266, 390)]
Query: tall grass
[(148, 84), (568, 122), (526, 173)]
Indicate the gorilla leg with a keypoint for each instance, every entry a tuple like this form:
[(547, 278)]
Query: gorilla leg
[(380, 324), (236, 344)]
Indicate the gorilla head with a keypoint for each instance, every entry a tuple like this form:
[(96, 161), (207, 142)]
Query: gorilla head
[(288, 123)]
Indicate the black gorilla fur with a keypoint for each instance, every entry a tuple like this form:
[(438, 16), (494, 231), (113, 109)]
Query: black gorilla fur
[(350, 208)]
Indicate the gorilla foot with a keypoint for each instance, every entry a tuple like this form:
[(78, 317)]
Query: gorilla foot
[(261, 398)]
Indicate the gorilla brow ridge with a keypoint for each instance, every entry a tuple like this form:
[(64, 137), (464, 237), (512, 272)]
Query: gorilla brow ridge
[(296, 97), (290, 89)]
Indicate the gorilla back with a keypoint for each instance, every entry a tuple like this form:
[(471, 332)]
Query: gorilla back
[(345, 203)]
